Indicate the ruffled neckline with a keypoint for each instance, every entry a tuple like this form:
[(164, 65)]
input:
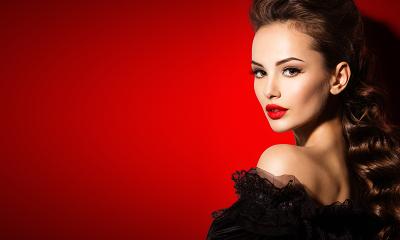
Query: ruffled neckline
[(287, 181), (271, 205)]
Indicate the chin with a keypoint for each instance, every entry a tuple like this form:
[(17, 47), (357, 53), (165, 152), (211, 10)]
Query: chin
[(279, 128)]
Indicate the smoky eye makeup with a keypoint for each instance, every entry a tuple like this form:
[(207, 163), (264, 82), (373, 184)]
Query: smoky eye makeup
[(258, 72), (287, 70), (291, 71)]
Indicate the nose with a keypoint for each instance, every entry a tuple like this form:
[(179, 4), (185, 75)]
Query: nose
[(271, 89)]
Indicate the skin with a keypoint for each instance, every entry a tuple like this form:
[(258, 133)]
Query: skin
[(307, 89)]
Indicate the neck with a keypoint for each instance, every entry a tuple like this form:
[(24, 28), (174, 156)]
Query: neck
[(323, 134), (325, 131)]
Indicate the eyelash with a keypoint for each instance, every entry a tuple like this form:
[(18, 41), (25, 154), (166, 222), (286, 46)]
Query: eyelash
[(255, 71)]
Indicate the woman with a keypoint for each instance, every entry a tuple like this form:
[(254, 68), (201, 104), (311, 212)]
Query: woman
[(341, 180)]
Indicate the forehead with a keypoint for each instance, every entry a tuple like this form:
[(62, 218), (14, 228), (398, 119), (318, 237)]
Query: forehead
[(278, 40)]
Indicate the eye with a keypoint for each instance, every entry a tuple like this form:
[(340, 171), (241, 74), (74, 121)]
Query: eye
[(258, 73), (291, 72)]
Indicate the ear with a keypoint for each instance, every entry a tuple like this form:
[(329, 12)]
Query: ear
[(340, 78)]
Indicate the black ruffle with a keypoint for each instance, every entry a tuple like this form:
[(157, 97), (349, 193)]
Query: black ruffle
[(264, 211)]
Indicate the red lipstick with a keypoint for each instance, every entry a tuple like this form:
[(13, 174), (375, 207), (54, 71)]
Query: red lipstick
[(275, 111)]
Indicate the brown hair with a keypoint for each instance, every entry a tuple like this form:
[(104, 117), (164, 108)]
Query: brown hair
[(373, 142)]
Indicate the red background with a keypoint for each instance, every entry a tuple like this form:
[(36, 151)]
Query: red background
[(125, 119)]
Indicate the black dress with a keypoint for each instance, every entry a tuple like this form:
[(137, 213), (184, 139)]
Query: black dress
[(275, 208)]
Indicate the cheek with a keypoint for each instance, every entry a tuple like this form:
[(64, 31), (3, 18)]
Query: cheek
[(258, 90), (308, 96)]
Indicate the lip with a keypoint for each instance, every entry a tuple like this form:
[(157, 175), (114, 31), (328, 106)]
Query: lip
[(275, 111)]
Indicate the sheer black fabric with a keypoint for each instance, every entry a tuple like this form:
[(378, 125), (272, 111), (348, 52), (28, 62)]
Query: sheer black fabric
[(275, 208)]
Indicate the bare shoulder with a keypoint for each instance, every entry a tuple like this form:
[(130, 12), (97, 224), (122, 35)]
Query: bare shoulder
[(285, 159)]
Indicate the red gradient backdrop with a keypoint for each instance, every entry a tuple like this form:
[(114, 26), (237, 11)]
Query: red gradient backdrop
[(125, 119)]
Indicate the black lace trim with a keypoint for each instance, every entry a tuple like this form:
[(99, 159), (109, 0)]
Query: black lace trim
[(264, 211)]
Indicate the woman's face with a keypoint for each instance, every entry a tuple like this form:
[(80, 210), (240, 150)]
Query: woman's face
[(288, 73)]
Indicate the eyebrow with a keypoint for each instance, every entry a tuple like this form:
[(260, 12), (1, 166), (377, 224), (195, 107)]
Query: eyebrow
[(278, 62)]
